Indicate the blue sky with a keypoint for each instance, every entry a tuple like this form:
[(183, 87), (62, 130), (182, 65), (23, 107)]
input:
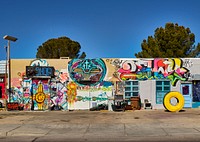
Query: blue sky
[(104, 28)]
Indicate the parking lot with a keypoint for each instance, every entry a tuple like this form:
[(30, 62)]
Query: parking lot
[(138, 125)]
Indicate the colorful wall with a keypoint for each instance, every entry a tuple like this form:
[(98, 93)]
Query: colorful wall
[(83, 84)]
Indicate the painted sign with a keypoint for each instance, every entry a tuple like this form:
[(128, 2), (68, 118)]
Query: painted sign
[(87, 71), (36, 71), (12, 106)]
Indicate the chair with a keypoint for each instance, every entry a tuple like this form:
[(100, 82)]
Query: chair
[(147, 104)]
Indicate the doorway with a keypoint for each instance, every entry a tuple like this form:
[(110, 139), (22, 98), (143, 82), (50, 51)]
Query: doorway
[(2, 90), (186, 90)]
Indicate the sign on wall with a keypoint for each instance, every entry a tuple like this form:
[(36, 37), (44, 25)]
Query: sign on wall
[(38, 71)]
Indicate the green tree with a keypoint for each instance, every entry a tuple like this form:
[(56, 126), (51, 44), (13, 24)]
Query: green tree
[(60, 47), (173, 41)]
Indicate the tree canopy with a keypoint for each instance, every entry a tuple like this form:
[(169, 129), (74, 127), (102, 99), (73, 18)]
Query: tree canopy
[(60, 47), (173, 41)]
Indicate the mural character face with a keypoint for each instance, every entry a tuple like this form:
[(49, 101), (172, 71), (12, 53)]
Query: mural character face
[(88, 71)]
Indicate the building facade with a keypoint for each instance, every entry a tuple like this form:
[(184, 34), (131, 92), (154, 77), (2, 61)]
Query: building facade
[(2, 82), (65, 84)]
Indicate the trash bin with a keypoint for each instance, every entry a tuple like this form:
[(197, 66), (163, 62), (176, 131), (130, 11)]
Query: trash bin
[(135, 103)]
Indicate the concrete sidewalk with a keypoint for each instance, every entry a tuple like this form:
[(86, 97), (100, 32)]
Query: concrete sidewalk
[(140, 125)]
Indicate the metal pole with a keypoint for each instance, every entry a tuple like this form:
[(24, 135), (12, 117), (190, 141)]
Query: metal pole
[(9, 72), (9, 38)]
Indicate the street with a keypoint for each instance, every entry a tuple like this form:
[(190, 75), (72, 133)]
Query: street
[(138, 125)]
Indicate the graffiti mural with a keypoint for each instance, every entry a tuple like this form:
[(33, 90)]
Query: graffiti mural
[(99, 98), (58, 88), (85, 83), (17, 95), (71, 93), (13, 106), (145, 69), (62, 75), (26, 85), (120, 87), (20, 92), (187, 63), (40, 97), (87, 72), (58, 96), (40, 90), (196, 91), (103, 86), (39, 62), (91, 96)]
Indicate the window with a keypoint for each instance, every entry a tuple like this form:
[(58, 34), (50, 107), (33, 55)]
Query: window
[(162, 87), (131, 89), (185, 90)]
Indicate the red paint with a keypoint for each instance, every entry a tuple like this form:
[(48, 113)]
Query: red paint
[(2, 90), (37, 80), (12, 106)]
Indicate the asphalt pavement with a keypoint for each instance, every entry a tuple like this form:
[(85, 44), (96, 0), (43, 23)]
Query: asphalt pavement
[(138, 125)]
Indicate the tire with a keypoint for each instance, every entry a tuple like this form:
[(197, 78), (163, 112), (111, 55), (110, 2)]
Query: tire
[(169, 106)]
